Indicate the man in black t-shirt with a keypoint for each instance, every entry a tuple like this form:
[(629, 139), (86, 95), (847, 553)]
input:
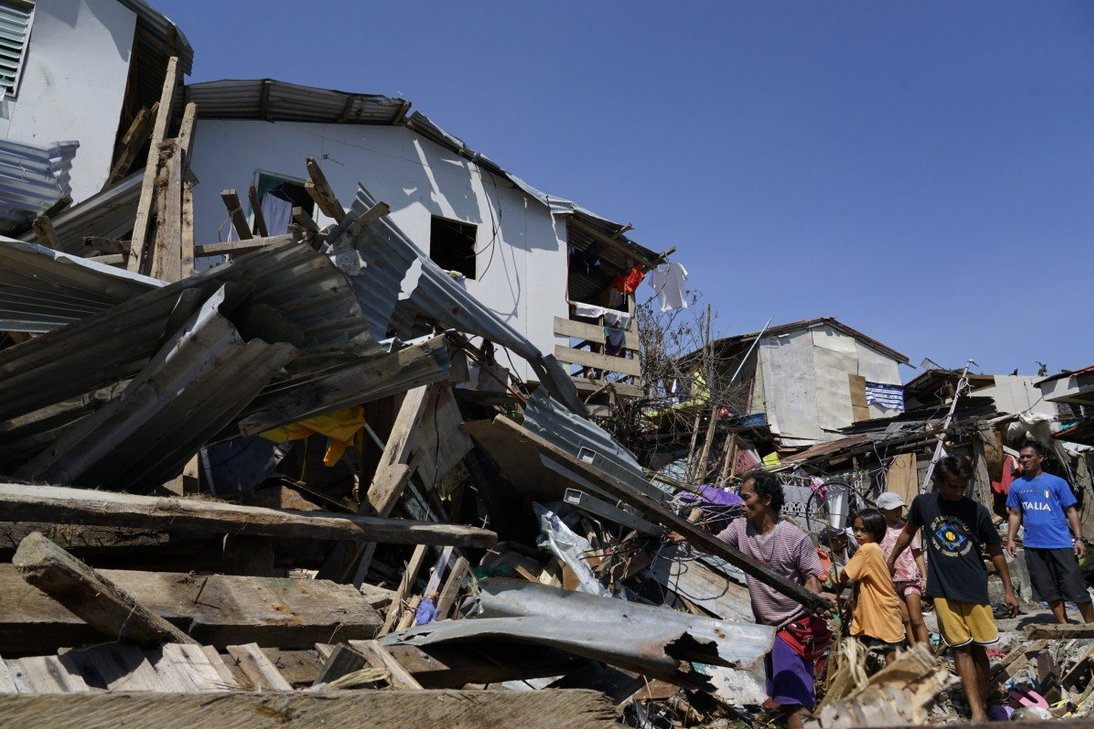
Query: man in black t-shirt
[(955, 527)]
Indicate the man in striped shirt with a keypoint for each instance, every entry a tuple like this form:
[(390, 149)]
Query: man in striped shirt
[(764, 536)]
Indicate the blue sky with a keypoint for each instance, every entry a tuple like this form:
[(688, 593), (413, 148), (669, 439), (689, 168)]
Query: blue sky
[(923, 171)]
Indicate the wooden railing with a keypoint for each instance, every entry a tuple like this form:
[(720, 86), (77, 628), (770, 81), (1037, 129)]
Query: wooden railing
[(590, 353)]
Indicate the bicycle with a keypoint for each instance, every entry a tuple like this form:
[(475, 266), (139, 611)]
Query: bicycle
[(831, 505)]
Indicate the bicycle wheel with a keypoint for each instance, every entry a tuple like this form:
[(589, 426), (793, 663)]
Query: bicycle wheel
[(831, 505)]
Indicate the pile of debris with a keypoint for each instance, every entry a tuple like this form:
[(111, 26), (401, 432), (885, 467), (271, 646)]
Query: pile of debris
[(289, 474), (292, 488)]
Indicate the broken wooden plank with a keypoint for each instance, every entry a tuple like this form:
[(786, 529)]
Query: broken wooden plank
[(320, 191), (98, 601), (218, 610), (185, 138), (704, 541), (143, 221), (44, 232), (1059, 632), (256, 208), (342, 660), (236, 247), (235, 212), (258, 668), (590, 332), (301, 218), (451, 588), (385, 490), (187, 228), (166, 263), (410, 574), (378, 656), (64, 505), (599, 361), (135, 137), (361, 222), (558, 709)]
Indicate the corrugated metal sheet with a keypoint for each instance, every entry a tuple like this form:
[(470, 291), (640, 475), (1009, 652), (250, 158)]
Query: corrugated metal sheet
[(292, 294), (32, 178), (200, 379), (587, 441), (42, 289), (356, 383), (652, 640), (273, 100), (399, 283), (107, 214)]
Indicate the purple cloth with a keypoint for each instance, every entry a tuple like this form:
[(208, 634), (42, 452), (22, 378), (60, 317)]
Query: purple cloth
[(426, 612), (789, 677), (714, 496)]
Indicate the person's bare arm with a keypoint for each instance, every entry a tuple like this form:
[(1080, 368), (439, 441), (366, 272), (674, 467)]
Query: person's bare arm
[(995, 551), (902, 543), (1076, 531), (1014, 520)]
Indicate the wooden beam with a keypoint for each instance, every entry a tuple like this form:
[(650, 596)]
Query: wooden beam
[(410, 575), (237, 247), (701, 540), (385, 490), (59, 504), (145, 213), (1059, 632), (359, 224), (590, 332), (219, 610), (98, 601), (321, 192), (379, 657), (393, 472), (305, 221), (556, 709), (185, 136), (235, 211), (451, 588), (256, 207), (258, 668), (599, 361), (166, 263), (137, 134), (44, 232), (187, 228)]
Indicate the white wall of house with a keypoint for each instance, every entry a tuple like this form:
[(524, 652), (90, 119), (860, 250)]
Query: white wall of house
[(73, 84), (521, 268), (1018, 394)]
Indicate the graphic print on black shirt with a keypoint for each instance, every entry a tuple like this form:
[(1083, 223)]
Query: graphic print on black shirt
[(950, 536), (953, 534)]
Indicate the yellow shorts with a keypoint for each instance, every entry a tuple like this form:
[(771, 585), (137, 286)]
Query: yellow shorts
[(961, 623)]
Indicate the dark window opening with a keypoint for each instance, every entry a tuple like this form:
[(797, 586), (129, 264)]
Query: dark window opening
[(452, 245)]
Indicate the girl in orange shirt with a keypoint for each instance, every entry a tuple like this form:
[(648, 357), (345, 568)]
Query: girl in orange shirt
[(877, 620)]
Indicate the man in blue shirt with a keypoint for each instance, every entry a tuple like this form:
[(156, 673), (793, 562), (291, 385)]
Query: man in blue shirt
[(1053, 538)]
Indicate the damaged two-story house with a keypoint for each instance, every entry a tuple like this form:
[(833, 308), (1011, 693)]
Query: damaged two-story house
[(83, 80)]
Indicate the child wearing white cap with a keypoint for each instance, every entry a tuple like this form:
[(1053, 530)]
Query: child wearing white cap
[(908, 576)]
